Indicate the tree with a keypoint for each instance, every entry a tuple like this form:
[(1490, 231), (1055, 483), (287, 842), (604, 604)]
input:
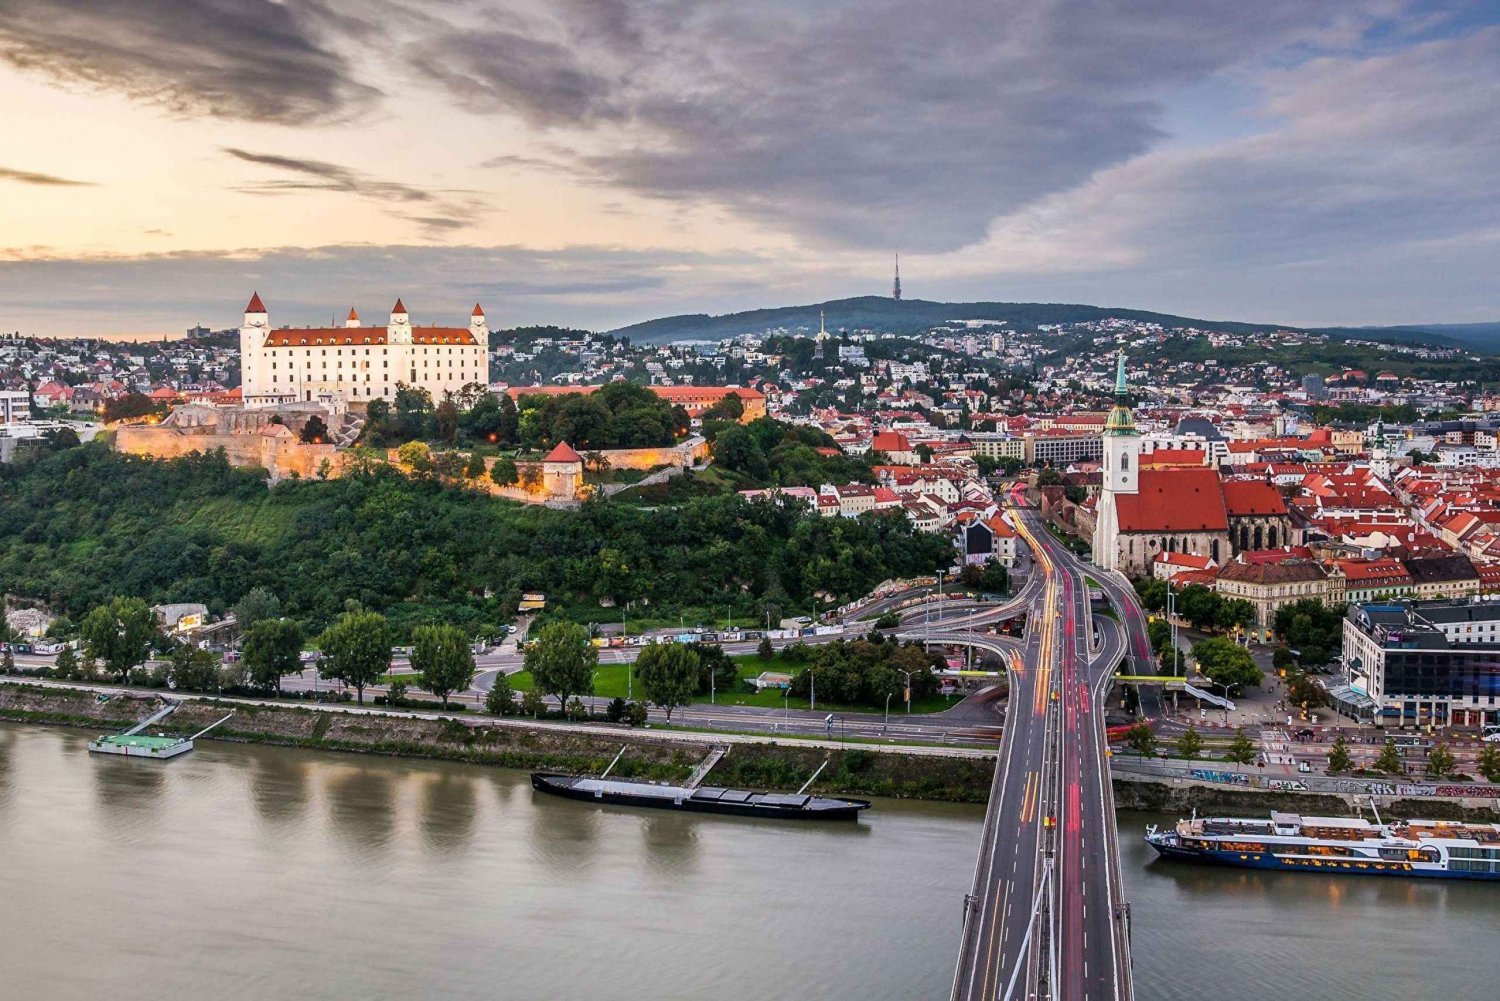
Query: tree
[(474, 468), (1488, 762), (314, 432), (532, 703), (765, 651), (356, 650), (119, 634), (415, 456), (443, 660), (1440, 762), (1226, 662), (1142, 739), (272, 650), (503, 472), (257, 604), (561, 661), (1303, 691), (193, 668), (447, 421), (668, 675), (1339, 759), (635, 713), (500, 701), (1315, 630), (1241, 749), (8, 661), (1389, 759), (67, 662), (1190, 745)]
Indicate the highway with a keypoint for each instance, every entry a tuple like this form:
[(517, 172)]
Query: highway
[(1046, 916)]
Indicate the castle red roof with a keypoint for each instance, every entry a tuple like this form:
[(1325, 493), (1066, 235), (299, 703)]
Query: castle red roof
[(346, 336), (256, 306), (1174, 500), (477, 310), (400, 307), (353, 315), (563, 453)]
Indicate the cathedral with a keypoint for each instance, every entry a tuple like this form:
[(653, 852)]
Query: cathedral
[(1143, 512), (355, 363)]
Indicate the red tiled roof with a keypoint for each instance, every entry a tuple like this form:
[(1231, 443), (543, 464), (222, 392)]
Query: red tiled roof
[(1252, 497), (1174, 500), (353, 315), (357, 336), (256, 306), (563, 453), (890, 441), (400, 307), (477, 310)]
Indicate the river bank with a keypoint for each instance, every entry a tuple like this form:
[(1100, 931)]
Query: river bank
[(860, 771)]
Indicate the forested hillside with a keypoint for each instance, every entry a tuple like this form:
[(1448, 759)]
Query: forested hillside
[(82, 524)]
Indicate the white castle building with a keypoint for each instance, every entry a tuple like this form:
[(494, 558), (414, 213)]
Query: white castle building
[(354, 363)]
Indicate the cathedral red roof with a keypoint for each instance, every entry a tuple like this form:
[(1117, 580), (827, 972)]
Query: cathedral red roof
[(1252, 497), (1174, 500)]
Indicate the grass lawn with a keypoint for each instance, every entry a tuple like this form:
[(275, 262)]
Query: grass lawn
[(611, 681)]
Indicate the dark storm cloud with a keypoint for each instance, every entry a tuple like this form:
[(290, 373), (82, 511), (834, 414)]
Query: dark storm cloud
[(41, 180), (255, 60), (876, 124)]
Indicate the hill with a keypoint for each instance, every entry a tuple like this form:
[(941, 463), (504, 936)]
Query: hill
[(1483, 337), (905, 316)]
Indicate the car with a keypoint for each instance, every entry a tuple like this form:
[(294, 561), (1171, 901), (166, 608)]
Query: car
[(1493, 738), (1303, 766), (1305, 734)]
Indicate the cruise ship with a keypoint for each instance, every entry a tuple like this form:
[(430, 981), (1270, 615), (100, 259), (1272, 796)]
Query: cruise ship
[(1288, 841)]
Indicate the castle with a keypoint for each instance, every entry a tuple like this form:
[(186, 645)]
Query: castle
[(355, 363)]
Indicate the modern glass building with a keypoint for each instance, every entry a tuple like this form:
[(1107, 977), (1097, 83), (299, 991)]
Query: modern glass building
[(1427, 662)]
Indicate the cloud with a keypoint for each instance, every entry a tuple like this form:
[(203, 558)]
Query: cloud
[(1373, 170), (42, 180), (600, 287), (446, 211), (869, 124), (254, 60)]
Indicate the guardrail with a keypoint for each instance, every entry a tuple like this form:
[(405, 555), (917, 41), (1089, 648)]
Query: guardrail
[(1227, 774)]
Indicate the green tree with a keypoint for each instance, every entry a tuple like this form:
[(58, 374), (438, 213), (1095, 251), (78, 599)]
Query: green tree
[(67, 662), (1303, 691), (8, 661), (668, 674), (1488, 762), (1189, 745), (1226, 662), (765, 651), (504, 472), (1142, 739), (314, 432), (1241, 749), (443, 659), (447, 421), (1389, 759), (500, 700), (1440, 763), (272, 650), (257, 604), (1339, 759), (194, 669), (474, 468), (1315, 630), (356, 650), (532, 703), (119, 634), (561, 661)]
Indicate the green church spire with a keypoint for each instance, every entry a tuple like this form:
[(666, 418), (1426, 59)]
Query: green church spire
[(1121, 421)]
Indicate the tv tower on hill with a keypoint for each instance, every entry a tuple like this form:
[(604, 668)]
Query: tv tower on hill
[(896, 286)]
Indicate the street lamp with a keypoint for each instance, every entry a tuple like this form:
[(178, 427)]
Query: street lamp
[(908, 689), (887, 722)]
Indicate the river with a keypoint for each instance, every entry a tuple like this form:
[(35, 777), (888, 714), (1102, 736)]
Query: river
[(260, 872)]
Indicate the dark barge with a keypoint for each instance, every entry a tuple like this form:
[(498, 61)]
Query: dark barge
[(704, 799)]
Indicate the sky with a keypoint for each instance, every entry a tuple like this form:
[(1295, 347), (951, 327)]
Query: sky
[(600, 162)]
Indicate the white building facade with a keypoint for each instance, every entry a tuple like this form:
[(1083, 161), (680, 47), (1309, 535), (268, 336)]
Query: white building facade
[(355, 363)]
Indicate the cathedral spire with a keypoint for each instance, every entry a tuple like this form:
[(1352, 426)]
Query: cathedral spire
[(1121, 421)]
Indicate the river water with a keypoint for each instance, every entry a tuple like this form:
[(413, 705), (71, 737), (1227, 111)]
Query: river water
[(258, 872)]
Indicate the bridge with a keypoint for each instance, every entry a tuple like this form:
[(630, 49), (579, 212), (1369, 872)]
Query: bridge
[(1046, 917)]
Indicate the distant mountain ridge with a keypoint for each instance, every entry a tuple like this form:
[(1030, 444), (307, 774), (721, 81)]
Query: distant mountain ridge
[(903, 316)]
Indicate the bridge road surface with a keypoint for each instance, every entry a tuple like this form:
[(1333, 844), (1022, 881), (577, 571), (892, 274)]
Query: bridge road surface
[(1051, 768), (1093, 936)]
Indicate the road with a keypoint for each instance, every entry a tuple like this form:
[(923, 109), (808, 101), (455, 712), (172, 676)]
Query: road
[(1046, 917)]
